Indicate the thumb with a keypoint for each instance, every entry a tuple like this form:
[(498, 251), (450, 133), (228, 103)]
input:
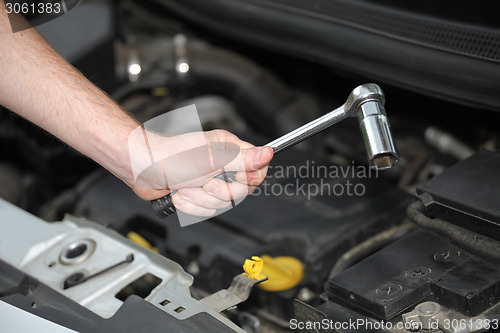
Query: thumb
[(252, 159)]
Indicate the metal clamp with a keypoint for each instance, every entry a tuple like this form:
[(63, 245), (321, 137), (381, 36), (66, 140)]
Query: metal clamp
[(238, 292)]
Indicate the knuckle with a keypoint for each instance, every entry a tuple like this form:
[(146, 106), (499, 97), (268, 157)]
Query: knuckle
[(221, 134)]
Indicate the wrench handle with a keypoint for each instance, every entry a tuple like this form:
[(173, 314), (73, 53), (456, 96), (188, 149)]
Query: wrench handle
[(164, 207)]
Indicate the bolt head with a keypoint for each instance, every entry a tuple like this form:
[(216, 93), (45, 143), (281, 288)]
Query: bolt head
[(429, 308), (418, 272), (446, 255), (223, 295), (388, 290)]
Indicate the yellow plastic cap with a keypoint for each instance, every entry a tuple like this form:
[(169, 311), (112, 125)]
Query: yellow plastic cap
[(253, 268), (139, 240), (283, 273)]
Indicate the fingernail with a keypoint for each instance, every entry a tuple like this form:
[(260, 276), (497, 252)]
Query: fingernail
[(260, 152), (210, 187)]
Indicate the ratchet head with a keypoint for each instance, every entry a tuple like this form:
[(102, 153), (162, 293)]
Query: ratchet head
[(366, 102)]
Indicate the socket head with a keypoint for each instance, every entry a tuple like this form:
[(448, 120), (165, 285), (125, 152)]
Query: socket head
[(366, 102)]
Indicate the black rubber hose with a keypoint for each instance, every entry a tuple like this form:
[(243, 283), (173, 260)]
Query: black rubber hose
[(263, 100), (475, 243), (369, 246)]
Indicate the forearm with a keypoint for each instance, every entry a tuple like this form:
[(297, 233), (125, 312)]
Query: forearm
[(39, 85), (42, 87)]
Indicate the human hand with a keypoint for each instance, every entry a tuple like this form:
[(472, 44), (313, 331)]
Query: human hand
[(188, 163)]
